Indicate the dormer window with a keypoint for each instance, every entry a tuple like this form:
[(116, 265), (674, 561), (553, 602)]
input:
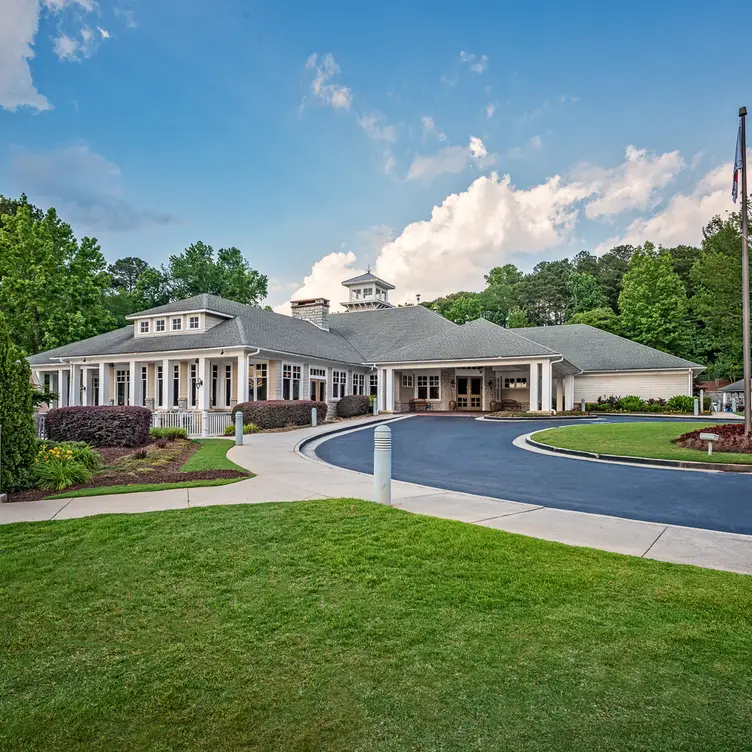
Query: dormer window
[(356, 294), (144, 327), (177, 324), (368, 292), (193, 322), (160, 325)]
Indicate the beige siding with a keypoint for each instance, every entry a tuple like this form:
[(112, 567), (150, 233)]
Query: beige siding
[(275, 373), (210, 320), (646, 385)]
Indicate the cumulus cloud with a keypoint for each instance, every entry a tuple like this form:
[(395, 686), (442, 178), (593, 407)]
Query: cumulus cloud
[(83, 185), (635, 184), (325, 68), (450, 160), (376, 128)]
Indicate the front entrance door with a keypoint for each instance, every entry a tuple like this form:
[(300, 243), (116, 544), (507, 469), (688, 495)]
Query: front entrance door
[(318, 390), (469, 393)]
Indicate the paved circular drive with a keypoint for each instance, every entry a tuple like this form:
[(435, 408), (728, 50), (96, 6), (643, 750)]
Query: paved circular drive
[(464, 454)]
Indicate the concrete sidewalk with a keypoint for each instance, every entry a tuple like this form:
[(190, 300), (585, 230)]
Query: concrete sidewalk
[(286, 474)]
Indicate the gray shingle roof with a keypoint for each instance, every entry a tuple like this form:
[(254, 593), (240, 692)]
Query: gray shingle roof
[(737, 386), (476, 339), (197, 302), (367, 277), (592, 349)]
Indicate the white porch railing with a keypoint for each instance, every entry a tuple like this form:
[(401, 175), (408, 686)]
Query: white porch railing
[(196, 422)]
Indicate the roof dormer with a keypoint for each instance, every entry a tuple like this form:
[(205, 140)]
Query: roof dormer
[(367, 293)]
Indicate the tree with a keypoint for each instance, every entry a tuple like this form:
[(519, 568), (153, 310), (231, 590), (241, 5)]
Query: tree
[(544, 293), (585, 263), (586, 292), (684, 258), (612, 267), (195, 271), (152, 289), (507, 276), (9, 206), (125, 273), (17, 449), (601, 318), (653, 302), (517, 319), (52, 287), (459, 307)]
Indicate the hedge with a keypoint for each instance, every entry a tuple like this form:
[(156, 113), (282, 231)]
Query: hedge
[(352, 405), (680, 404), (280, 413), (103, 426)]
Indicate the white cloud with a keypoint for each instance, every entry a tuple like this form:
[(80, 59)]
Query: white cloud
[(20, 22), (103, 32), (65, 47), (335, 95), (477, 64), (428, 126), (450, 160), (635, 184), (374, 126), (490, 110), (536, 142), (83, 185)]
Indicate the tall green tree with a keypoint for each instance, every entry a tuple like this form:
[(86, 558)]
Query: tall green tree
[(125, 273), (517, 318), (17, 447), (586, 292), (684, 258), (9, 207), (544, 293), (612, 266), (52, 287), (601, 318), (653, 302)]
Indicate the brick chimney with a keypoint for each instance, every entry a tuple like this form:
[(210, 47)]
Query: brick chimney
[(315, 310)]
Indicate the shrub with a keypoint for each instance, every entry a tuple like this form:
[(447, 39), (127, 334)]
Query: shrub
[(353, 404), (608, 403), (731, 438), (631, 403), (140, 454), (707, 404), (169, 433), (16, 416), (162, 442), (280, 413), (102, 426), (247, 428), (681, 403), (57, 467)]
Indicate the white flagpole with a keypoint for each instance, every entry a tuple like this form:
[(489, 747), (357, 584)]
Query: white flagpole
[(745, 282)]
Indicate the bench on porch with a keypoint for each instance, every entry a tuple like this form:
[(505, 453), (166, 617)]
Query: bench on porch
[(513, 406), (417, 405)]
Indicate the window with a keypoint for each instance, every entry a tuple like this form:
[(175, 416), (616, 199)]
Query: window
[(290, 382), (176, 384), (359, 383), (339, 382), (318, 373), (428, 387), (144, 327), (177, 324), (214, 386), (160, 325), (193, 322), (373, 383), (160, 385), (122, 384), (194, 385), (228, 385), (95, 389), (257, 381), (407, 380), (356, 294), (143, 384), (368, 292)]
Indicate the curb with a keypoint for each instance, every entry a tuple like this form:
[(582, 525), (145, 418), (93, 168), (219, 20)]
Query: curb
[(589, 416), (680, 464), (298, 448)]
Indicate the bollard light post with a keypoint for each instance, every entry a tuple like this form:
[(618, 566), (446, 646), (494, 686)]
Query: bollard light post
[(314, 417), (376, 406), (582, 405), (697, 406), (239, 428), (382, 465)]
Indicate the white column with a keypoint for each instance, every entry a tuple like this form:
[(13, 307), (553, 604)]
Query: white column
[(132, 384), (533, 381), (381, 389), (243, 377), (546, 385), (390, 390), (560, 393), (75, 385), (166, 384), (204, 373), (104, 384), (569, 392), (61, 401)]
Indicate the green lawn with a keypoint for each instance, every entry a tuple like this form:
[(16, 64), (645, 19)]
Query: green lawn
[(343, 625), (212, 455), (653, 439)]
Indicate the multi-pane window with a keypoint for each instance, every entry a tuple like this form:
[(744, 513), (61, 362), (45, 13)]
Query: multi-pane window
[(194, 384), (258, 381), (407, 380), (356, 294), (177, 324), (122, 383), (359, 383), (368, 292), (144, 373), (291, 382), (193, 322), (339, 383), (160, 325), (373, 386), (214, 385), (228, 384), (318, 373), (160, 385), (95, 389), (175, 385), (144, 327), (428, 387)]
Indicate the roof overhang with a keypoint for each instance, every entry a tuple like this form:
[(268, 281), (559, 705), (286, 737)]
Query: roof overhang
[(463, 362), (134, 316)]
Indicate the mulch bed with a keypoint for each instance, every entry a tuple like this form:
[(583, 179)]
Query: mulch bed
[(112, 475), (731, 439)]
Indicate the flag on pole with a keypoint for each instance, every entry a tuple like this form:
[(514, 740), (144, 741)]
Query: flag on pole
[(737, 164)]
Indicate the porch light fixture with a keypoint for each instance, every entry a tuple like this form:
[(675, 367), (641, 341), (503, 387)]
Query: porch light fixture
[(111, 365), (199, 383), (452, 382)]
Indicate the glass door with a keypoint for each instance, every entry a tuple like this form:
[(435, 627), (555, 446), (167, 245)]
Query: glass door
[(469, 392)]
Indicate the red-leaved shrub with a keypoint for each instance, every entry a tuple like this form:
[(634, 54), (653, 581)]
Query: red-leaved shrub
[(731, 438), (103, 426), (280, 413), (353, 404)]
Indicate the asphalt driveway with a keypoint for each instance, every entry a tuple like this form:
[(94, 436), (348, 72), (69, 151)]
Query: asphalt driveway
[(464, 454)]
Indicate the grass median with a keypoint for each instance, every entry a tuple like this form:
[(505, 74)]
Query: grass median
[(344, 625), (650, 439)]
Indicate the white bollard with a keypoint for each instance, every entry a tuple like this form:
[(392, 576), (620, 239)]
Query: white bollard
[(314, 417), (376, 406), (382, 465), (697, 406), (239, 428), (204, 423), (582, 405), (702, 401)]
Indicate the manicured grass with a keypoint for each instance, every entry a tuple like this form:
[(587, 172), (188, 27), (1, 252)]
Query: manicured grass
[(212, 455), (343, 625), (137, 487), (652, 439)]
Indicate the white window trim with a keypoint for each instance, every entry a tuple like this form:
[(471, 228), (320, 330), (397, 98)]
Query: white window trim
[(342, 384), (157, 322), (173, 319), (197, 319), (292, 366), (144, 323), (407, 381), (428, 375)]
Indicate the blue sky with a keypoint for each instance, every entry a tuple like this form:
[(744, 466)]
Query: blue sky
[(310, 134)]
